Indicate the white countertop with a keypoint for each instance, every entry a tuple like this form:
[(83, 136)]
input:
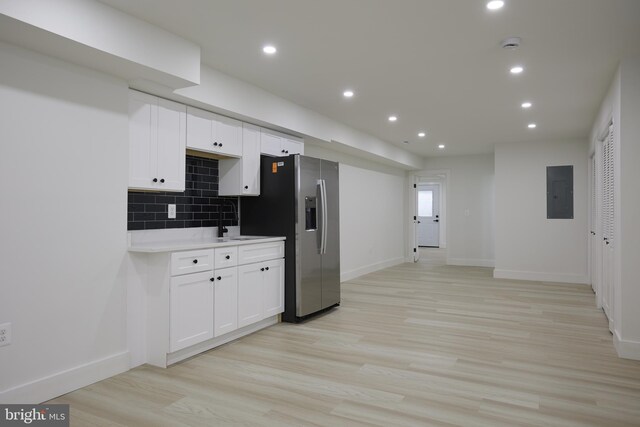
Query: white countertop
[(181, 240), (181, 245)]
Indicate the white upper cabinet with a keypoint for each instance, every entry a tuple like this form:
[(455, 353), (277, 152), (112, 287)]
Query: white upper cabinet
[(157, 139), (277, 144), (270, 143), (292, 146), (241, 177), (212, 133)]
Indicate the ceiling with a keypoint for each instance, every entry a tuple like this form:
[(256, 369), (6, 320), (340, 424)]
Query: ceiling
[(436, 64)]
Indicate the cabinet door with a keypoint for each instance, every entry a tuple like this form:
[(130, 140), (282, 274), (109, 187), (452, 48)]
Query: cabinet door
[(228, 135), (291, 146), (200, 129), (191, 310), (143, 127), (270, 144), (273, 288), (250, 301), (250, 160), (225, 301), (172, 121)]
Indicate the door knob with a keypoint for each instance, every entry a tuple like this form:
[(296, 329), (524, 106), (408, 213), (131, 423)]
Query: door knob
[(419, 222), (436, 220)]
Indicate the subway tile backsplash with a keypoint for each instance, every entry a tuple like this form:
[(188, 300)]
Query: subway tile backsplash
[(198, 206)]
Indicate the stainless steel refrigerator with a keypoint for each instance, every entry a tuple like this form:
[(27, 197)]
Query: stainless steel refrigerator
[(299, 200)]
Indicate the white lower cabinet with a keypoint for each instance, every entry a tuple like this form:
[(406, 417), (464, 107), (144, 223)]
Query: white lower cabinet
[(273, 291), (250, 294), (225, 305), (191, 310), (260, 291), (214, 292)]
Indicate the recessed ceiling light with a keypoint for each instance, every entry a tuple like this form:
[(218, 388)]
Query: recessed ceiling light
[(441, 146), (269, 49), (532, 126), (422, 134), (392, 118), (516, 70), (347, 93), (495, 4), (526, 105)]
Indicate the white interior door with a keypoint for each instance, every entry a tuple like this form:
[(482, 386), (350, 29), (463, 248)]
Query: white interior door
[(414, 225), (429, 215), (594, 242), (607, 217)]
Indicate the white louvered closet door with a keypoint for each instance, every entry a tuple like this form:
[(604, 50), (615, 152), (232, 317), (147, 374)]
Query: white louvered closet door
[(593, 224), (608, 227)]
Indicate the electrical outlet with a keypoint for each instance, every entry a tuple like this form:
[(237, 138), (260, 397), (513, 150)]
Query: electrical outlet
[(5, 334), (171, 211)]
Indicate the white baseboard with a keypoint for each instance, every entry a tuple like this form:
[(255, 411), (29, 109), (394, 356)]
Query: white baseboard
[(540, 277), (215, 342), (470, 262), (626, 349), (60, 383), (348, 275)]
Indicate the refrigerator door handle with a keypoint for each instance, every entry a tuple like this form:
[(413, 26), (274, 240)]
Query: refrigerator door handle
[(320, 226), (325, 222)]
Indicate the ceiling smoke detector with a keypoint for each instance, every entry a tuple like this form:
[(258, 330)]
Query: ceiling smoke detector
[(511, 43)]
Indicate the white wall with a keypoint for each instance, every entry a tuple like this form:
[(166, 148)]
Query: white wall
[(629, 196), (622, 103), (231, 96), (92, 34), (469, 207), (528, 245), (371, 213), (63, 181)]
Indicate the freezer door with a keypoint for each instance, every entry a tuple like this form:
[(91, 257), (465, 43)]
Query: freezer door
[(331, 254), (308, 258)]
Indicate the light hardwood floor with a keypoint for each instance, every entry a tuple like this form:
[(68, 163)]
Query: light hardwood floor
[(413, 345)]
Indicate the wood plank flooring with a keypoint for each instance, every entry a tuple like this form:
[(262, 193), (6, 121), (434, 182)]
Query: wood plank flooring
[(414, 345)]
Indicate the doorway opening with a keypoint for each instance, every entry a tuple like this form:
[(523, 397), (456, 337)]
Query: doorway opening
[(429, 218)]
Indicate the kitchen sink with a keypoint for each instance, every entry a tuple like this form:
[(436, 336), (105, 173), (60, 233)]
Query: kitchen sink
[(247, 237)]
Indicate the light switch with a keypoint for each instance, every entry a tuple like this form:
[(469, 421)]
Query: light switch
[(172, 211)]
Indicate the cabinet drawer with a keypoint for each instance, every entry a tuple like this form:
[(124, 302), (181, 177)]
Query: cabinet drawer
[(226, 257), (191, 262), (260, 252)]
